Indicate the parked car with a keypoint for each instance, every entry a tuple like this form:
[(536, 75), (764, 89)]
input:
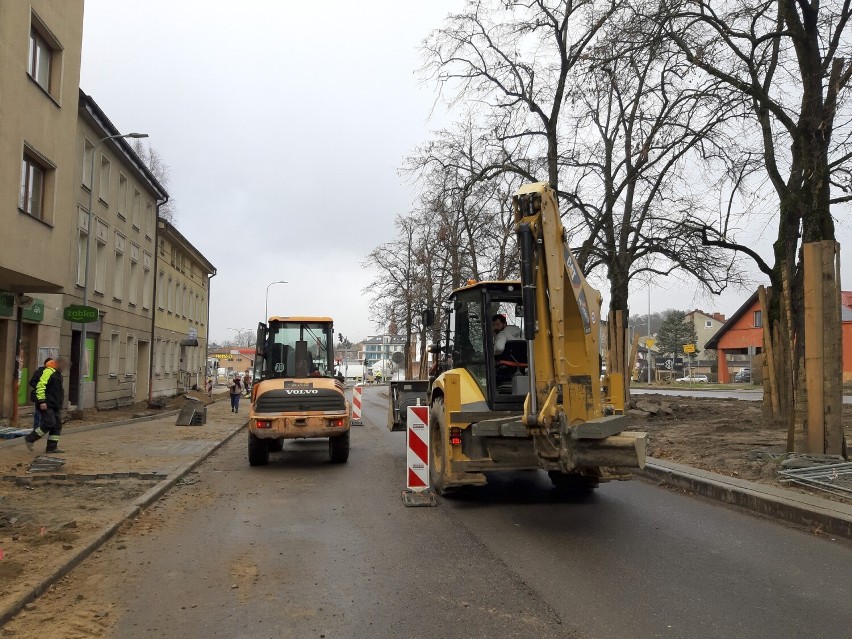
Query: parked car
[(694, 378), (743, 376)]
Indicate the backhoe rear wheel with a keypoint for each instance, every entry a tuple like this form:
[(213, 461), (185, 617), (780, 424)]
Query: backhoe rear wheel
[(573, 486), (438, 461), (275, 445), (258, 451)]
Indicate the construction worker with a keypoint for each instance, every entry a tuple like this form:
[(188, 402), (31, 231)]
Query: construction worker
[(33, 383), (49, 396)]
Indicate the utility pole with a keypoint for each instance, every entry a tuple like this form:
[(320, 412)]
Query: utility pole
[(648, 343)]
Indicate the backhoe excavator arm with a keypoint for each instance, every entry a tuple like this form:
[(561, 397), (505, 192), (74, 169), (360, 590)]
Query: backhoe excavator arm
[(561, 316)]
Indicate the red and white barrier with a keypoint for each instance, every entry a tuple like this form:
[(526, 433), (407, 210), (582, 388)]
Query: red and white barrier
[(356, 406), (417, 448)]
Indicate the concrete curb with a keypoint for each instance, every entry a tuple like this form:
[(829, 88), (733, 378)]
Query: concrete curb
[(802, 510), (139, 504)]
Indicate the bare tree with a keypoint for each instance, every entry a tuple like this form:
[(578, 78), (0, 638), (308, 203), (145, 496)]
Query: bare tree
[(515, 57), (638, 118), (160, 170), (789, 60)]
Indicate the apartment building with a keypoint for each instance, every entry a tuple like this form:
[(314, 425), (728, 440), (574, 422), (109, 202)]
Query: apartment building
[(120, 238), (706, 326), (181, 325), (40, 46)]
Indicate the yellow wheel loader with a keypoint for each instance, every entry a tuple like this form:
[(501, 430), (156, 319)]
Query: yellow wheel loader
[(522, 386), (295, 395)]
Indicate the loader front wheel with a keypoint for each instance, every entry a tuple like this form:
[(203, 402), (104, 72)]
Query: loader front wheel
[(438, 461), (573, 486)]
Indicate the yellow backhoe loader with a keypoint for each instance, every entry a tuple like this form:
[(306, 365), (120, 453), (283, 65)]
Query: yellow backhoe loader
[(521, 386)]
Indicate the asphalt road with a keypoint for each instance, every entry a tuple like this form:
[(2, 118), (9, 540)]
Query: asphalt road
[(304, 549), (755, 395)]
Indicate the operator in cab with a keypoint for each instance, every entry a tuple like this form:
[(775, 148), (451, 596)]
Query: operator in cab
[(503, 332)]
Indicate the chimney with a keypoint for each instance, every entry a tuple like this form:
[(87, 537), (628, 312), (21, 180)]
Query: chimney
[(719, 316)]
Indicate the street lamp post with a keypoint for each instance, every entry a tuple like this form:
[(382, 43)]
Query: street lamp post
[(266, 308), (81, 368)]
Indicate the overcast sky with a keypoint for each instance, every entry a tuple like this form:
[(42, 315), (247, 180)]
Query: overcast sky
[(284, 124)]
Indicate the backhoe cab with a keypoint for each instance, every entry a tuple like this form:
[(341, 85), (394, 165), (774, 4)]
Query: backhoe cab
[(535, 400), (295, 395)]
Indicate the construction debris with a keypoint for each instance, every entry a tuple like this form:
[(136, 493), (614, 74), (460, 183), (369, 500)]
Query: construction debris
[(833, 478)]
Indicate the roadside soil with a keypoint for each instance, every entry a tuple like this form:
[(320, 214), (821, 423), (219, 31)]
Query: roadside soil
[(81, 605), (47, 516), (726, 436), (99, 416)]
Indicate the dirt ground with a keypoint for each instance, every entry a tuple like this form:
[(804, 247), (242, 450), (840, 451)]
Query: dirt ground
[(32, 534), (726, 436), (82, 599)]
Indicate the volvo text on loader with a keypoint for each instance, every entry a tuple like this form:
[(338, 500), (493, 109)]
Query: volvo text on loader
[(541, 402), (295, 394)]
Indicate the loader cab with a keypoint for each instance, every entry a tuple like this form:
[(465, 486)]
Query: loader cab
[(502, 378), (294, 347)]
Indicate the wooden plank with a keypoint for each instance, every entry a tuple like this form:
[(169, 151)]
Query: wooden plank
[(814, 354), (770, 385), (832, 349)]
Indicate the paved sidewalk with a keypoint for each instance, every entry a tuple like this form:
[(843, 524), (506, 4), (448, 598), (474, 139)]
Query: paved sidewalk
[(155, 446)]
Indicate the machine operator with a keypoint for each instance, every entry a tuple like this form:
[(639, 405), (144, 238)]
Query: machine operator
[(503, 332)]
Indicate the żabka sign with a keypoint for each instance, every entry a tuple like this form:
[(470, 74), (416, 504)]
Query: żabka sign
[(80, 314)]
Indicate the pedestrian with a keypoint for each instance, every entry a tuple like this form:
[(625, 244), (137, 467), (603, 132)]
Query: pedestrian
[(235, 388), (33, 382), (209, 387), (247, 381), (49, 396)]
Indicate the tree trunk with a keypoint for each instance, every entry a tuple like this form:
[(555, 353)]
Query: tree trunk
[(617, 359)]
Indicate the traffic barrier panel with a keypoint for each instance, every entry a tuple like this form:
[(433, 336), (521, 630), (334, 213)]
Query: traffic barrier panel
[(417, 448), (356, 406)]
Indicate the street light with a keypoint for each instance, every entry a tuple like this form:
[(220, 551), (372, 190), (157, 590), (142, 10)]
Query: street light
[(266, 308), (81, 372)]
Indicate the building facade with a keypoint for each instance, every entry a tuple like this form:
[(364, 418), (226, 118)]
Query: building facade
[(40, 48), (383, 347), (181, 324), (119, 237), (706, 326)]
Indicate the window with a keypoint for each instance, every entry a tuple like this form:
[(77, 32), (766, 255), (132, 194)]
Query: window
[(146, 288), (32, 188), (708, 324), (170, 299), (169, 350), (158, 349), (100, 266), (118, 276), (40, 58), (161, 283), (133, 292), (176, 365), (130, 357), (757, 319), (88, 154), (103, 181), (137, 202), (202, 307), (121, 207), (114, 343), (81, 257), (149, 218)]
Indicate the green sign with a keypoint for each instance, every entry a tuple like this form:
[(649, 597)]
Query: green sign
[(34, 313), (7, 304), (80, 314)]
